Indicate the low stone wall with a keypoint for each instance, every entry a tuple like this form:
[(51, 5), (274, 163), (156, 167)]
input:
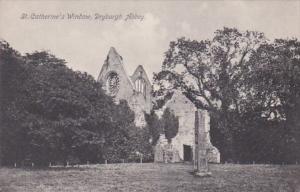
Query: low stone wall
[(169, 154), (166, 154)]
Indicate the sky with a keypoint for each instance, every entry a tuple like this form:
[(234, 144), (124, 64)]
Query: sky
[(84, 43)]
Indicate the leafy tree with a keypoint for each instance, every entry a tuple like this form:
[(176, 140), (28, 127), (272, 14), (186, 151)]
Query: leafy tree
[(154, 124), (276, 96), (141, 145), (170, 124), (249, 86), (63, 100), (12, 77), (52, 113), (209, 73)]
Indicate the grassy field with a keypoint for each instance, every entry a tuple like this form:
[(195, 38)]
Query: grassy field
[(152, 177)]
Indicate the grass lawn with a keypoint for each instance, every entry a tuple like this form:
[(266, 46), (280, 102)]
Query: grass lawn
[(152, 177)]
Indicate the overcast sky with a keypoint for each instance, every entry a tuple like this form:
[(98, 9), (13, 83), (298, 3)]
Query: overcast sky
[(84, 44)]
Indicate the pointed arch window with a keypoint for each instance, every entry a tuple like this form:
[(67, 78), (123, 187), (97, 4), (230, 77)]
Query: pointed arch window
[(140, 86)]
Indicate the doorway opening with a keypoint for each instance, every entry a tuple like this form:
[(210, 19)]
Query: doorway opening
[(187, 153)]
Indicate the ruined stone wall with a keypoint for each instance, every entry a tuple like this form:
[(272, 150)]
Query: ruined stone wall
[(137, 101), (139, 105), (145, 98), (125, 87), (140, 101), (185, 110)]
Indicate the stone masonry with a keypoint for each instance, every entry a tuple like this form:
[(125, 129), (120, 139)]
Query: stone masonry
[(185, 110), (136, 90)]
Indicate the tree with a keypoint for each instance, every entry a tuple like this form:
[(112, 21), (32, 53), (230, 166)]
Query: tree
[(154, 124), (54, 114), (170, 124), (210, 73), (275, 95), (12, 76)]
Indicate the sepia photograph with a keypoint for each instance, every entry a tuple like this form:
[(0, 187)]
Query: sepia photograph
[(149, 96)]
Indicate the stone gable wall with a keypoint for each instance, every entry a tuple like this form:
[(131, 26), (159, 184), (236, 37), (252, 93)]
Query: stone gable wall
[(137, 101), (185, 110), (182, 107)]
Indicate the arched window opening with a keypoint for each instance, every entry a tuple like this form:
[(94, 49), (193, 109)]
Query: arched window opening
[(140, 86)]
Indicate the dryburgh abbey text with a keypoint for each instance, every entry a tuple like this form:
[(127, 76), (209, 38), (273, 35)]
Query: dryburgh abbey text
[(82, 16)]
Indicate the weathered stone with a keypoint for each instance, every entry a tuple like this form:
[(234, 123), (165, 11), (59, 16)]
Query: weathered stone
[(136, 90), (184, 109), (201, 144)]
